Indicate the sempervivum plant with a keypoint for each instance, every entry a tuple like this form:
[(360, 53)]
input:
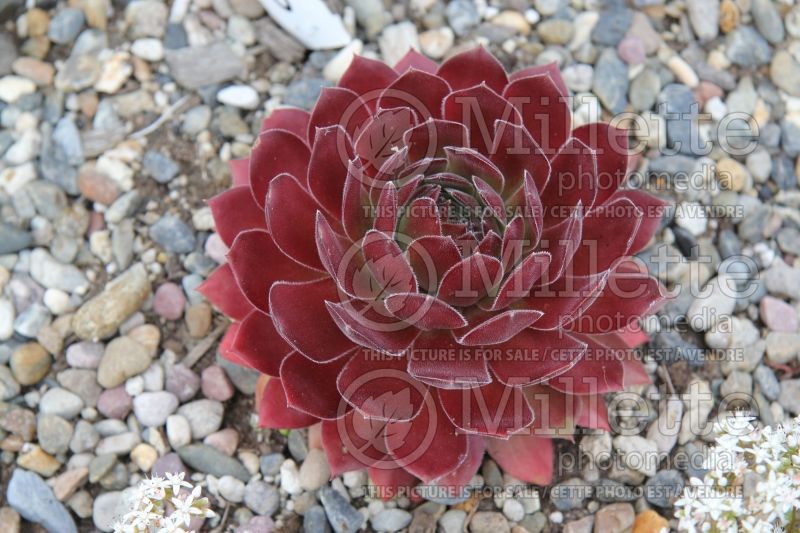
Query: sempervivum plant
[(433, 264)]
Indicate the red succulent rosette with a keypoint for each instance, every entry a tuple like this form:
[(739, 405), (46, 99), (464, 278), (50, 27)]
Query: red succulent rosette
[(433, 264)]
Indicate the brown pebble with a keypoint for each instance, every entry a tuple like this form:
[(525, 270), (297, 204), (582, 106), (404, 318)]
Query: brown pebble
[(30, 363), (38, 22), (728, 16), (96, 186), (198, 319), (36, 70)]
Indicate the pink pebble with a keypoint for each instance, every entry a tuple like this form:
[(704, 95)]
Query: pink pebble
[(215, 248), (225, 441), (114, 403), (778, 315), (631, 50), (169, 301), (215, 384)]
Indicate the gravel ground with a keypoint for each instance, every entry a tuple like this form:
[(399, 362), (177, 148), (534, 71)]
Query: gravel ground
[(116, 122)]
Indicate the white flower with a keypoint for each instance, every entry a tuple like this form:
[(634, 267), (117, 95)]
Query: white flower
[(176, 481)]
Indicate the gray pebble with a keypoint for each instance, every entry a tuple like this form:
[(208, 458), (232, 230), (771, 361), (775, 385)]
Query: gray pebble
[(262, 498), (664, 488), (611, 81), (344, 518), (160, 167), (66, 25), (747, 48), (209, 460), (173, 235), (32, 498)]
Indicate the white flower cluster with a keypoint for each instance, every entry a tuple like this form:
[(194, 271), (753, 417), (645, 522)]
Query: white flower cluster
[(158, 505), (768, 459)]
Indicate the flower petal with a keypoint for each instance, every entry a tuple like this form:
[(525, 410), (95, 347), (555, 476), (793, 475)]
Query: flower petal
[(327, 169), (352, 442), (550, 69), (498, 328), (259, 344), (544, 109), (291, 119), (418, 91), (424, 311), (388, 210), (653, 212), (421, 218), (257, 263), (367, 77), (431, 257), (379, 387), (516, 153), (382, 136), (274, 411), (473, 67), (415, 60), (235, 211), (460, 477), (301, 317), (495, 410), (562, 241), (526, 457), (573, 180), (470, 280), (430, 138), (392, 481), (388, 264), (310, 387), (598, 372), (611, 146), (608, 233), (337, 105), (563, 301), (427, 446), (356, 205), (344, 262), (364, 324), (478, 108), (276, 152), (221, 289), (519, 282), (437, 359), (534, 356)]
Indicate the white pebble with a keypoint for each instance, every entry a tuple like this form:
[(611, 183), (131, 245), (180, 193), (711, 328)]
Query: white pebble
[(242, 96)]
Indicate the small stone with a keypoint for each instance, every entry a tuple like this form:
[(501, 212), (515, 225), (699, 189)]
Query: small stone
[(225, 440), (231, 489), (160, 167), (30, 496), (778, 315), (344, 518), (729, 16), (437, 42), (637, 453), (732, 175), (115, 403), (60, 402), (65, 484), (153, 408), (222, 64), (767, 20), (107, 509), (198, 319), (315, 521), (215, 384), (704, 17), (182, 382), (452, 521), (715, 302), (101, 316), (314, 472), (169, 301), (39, 461), (462, 16), (631, 50), (789, 397), (179, 432), (66, 25), (54, 434), (241, 96), (54, 274), (747, 48), (40, 72), (262, 498), (172, 234), (611, 81), (664, 488), (390, 520), (555, 31), (114, 72), (123, 358), (30, 363), (211, 461), (120, 444), (84, 354), (149, 49), (783, 348), (144, 456), (650, 522), (204, 416), (785, 72), (488, 522), (513, 510), (290, 477), (146, 18)]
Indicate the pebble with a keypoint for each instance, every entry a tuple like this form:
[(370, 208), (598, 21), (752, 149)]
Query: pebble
[(745, 47), (204, 416), (231, 489), (215, 384), (390, 520), (452, 521), (314, 472), (114, 403), (101, 316), (782, 280), (144, 456), (153, 408), (768, 20), (220, 60), (704, 17), (61, 402), (611, 81), (488, 522), (513, 510), (182, 382), (54, 274), (664, 488), (66, 25), (637, 453), (785, 72), (315, 520), (397, 39), (107, 508), (789, 397), (211, 461), (343, 517), (30, 363), (462, 16), (54, 434), (84, 354), (179, 432), (172, 234), (169, 301), (198, 319), (262, 498), (160, 167), (290, 477), (120, 444), (716, 302), (149, 49), (225, 440), (778, 315), (123, 358), (30, 496)]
